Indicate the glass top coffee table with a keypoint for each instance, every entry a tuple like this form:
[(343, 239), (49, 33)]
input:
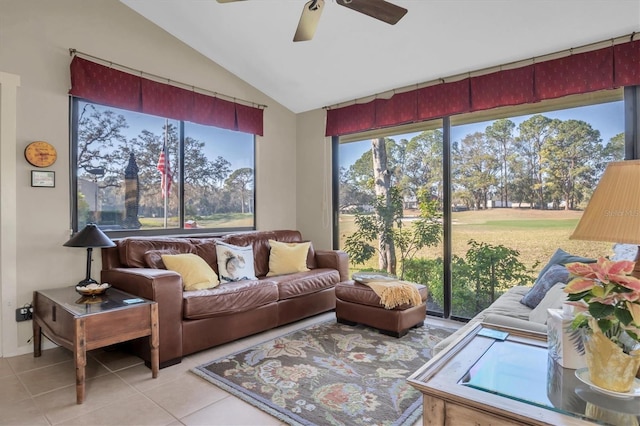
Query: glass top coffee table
[(497, 375)]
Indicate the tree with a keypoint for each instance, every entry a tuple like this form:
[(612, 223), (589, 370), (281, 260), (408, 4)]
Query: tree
[(572, 158), (475, 168), (500, 134), (534, 133), (425, 231), (423, 164), (352, 196), (100, 142), (386, 210), (614, 149), (240, 182)]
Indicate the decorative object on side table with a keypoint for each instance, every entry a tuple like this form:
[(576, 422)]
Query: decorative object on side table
[(93, 289), (565, 344), (607, 300), (90, 236)]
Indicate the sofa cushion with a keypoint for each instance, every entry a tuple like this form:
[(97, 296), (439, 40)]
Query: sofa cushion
[(132, 250), (287, 258), (260, 243), (206, 249), (553, 275), (505, 321), (561, 257), (301, 283), (195, 273), (259, 240), (227, 298), (154, 258), (554, 299), (507, 305), (235, 263)]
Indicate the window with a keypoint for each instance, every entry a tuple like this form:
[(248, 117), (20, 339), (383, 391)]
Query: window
[(142, 174), (519, 180), (519, 187), (413, 164)]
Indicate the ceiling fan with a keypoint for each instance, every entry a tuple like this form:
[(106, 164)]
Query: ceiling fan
[(378, 9)]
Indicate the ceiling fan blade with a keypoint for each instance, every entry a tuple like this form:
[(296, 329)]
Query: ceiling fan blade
[(309, 20), (379, 9)]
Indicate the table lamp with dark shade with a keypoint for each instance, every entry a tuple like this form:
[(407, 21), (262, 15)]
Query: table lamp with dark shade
[(90, 236), (613, 213)]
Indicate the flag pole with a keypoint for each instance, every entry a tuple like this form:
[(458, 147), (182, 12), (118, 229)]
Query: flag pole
[(164, 181)]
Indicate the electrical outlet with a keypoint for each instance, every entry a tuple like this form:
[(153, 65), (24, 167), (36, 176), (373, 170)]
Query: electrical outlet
[(24, 313)]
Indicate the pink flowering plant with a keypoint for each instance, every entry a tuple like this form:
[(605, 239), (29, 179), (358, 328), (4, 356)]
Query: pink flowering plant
[(606, 296)]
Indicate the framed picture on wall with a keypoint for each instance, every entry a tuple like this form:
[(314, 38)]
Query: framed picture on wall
[(40, 178)]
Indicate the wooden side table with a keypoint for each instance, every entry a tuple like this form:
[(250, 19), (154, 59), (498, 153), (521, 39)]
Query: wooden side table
[(81, 324)]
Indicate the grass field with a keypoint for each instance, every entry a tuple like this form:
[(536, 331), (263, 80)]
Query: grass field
[(536, 234), (223, 220)]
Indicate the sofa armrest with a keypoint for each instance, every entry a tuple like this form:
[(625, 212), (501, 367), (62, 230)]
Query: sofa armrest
[(164, 287), (334, 259)]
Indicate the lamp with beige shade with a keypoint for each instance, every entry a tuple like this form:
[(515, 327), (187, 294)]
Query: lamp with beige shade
[(613, 213)]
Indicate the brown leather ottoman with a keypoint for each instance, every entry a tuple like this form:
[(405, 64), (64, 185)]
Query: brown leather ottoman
[(357, 303)]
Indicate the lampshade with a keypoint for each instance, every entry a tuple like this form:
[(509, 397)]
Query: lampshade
[(90, 236), (613, 214)]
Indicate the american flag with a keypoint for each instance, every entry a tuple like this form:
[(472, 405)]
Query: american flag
[(165, 171)]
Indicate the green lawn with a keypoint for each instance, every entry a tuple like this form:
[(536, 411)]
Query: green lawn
[(223, 220), (536, 234)]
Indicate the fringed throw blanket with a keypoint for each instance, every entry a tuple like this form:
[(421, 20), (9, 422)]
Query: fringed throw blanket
[(391, 291)]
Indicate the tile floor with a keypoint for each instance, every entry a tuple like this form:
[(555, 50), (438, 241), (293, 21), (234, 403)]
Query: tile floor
[(120, 390)]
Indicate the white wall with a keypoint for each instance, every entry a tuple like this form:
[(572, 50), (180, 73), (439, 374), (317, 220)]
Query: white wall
[(35, 37), (314, 179)]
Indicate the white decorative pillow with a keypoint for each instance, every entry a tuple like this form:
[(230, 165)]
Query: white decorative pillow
[(624, 252), (554, 299), (287, 258), (235, 263)]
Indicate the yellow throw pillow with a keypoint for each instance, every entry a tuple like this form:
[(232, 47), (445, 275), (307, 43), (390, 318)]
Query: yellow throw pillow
[(196, 273), (287, 258)]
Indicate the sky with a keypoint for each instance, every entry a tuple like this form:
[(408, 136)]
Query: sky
[(608, 118), (217, 142)]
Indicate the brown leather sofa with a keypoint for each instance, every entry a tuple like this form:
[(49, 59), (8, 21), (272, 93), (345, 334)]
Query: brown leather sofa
[(190, 321)]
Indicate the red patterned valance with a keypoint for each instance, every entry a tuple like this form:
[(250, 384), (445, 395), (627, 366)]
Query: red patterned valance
[(108, 86), (401, 108), (351, 119), (443, 99), (606, 68), (626, 63), (509, 87), (578, 73)]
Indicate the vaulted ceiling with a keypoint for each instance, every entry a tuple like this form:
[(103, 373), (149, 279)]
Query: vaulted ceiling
[(354, 56)]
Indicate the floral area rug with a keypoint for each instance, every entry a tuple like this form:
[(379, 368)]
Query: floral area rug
[(330, 374)]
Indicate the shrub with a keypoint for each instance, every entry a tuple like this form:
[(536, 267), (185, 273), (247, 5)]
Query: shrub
[(479, 278)]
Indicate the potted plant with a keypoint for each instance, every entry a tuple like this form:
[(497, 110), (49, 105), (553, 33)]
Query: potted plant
[(607, 301)]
